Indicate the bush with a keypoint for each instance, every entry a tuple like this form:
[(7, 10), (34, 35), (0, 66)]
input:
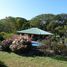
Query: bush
[(64, 52), (6, 43), (20, 45), (6, 35), (58, 47), (1, 38)]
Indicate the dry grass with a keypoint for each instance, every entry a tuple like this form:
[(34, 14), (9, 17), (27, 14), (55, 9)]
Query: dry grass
[(13, 60)]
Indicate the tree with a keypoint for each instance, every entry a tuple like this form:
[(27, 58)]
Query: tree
[(19, 22), (11, 24)]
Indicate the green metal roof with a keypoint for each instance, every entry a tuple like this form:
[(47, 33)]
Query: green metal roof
[(35, 31)]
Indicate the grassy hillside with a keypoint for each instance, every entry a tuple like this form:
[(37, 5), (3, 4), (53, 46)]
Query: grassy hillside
[(13, 60)]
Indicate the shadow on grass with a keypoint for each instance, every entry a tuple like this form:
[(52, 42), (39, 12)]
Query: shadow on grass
[(30, 53), (59, 57), (34, 53), (2, 64)]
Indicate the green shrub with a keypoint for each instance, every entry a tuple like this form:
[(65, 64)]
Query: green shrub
[(6, 35), (58, 47), (1, 38)]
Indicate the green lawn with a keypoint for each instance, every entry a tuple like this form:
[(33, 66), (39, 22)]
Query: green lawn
[(13, 60)]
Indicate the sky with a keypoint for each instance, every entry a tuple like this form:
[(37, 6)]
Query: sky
[(31, 8)]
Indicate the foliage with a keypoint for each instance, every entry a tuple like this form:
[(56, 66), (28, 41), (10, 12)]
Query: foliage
[(11, 24), (6, 35), (1, 37), (6, 43), (56, 24), (50, 22), (20, 45), (20, 22)]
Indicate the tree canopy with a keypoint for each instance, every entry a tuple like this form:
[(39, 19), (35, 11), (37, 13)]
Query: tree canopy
[(49, 22)]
